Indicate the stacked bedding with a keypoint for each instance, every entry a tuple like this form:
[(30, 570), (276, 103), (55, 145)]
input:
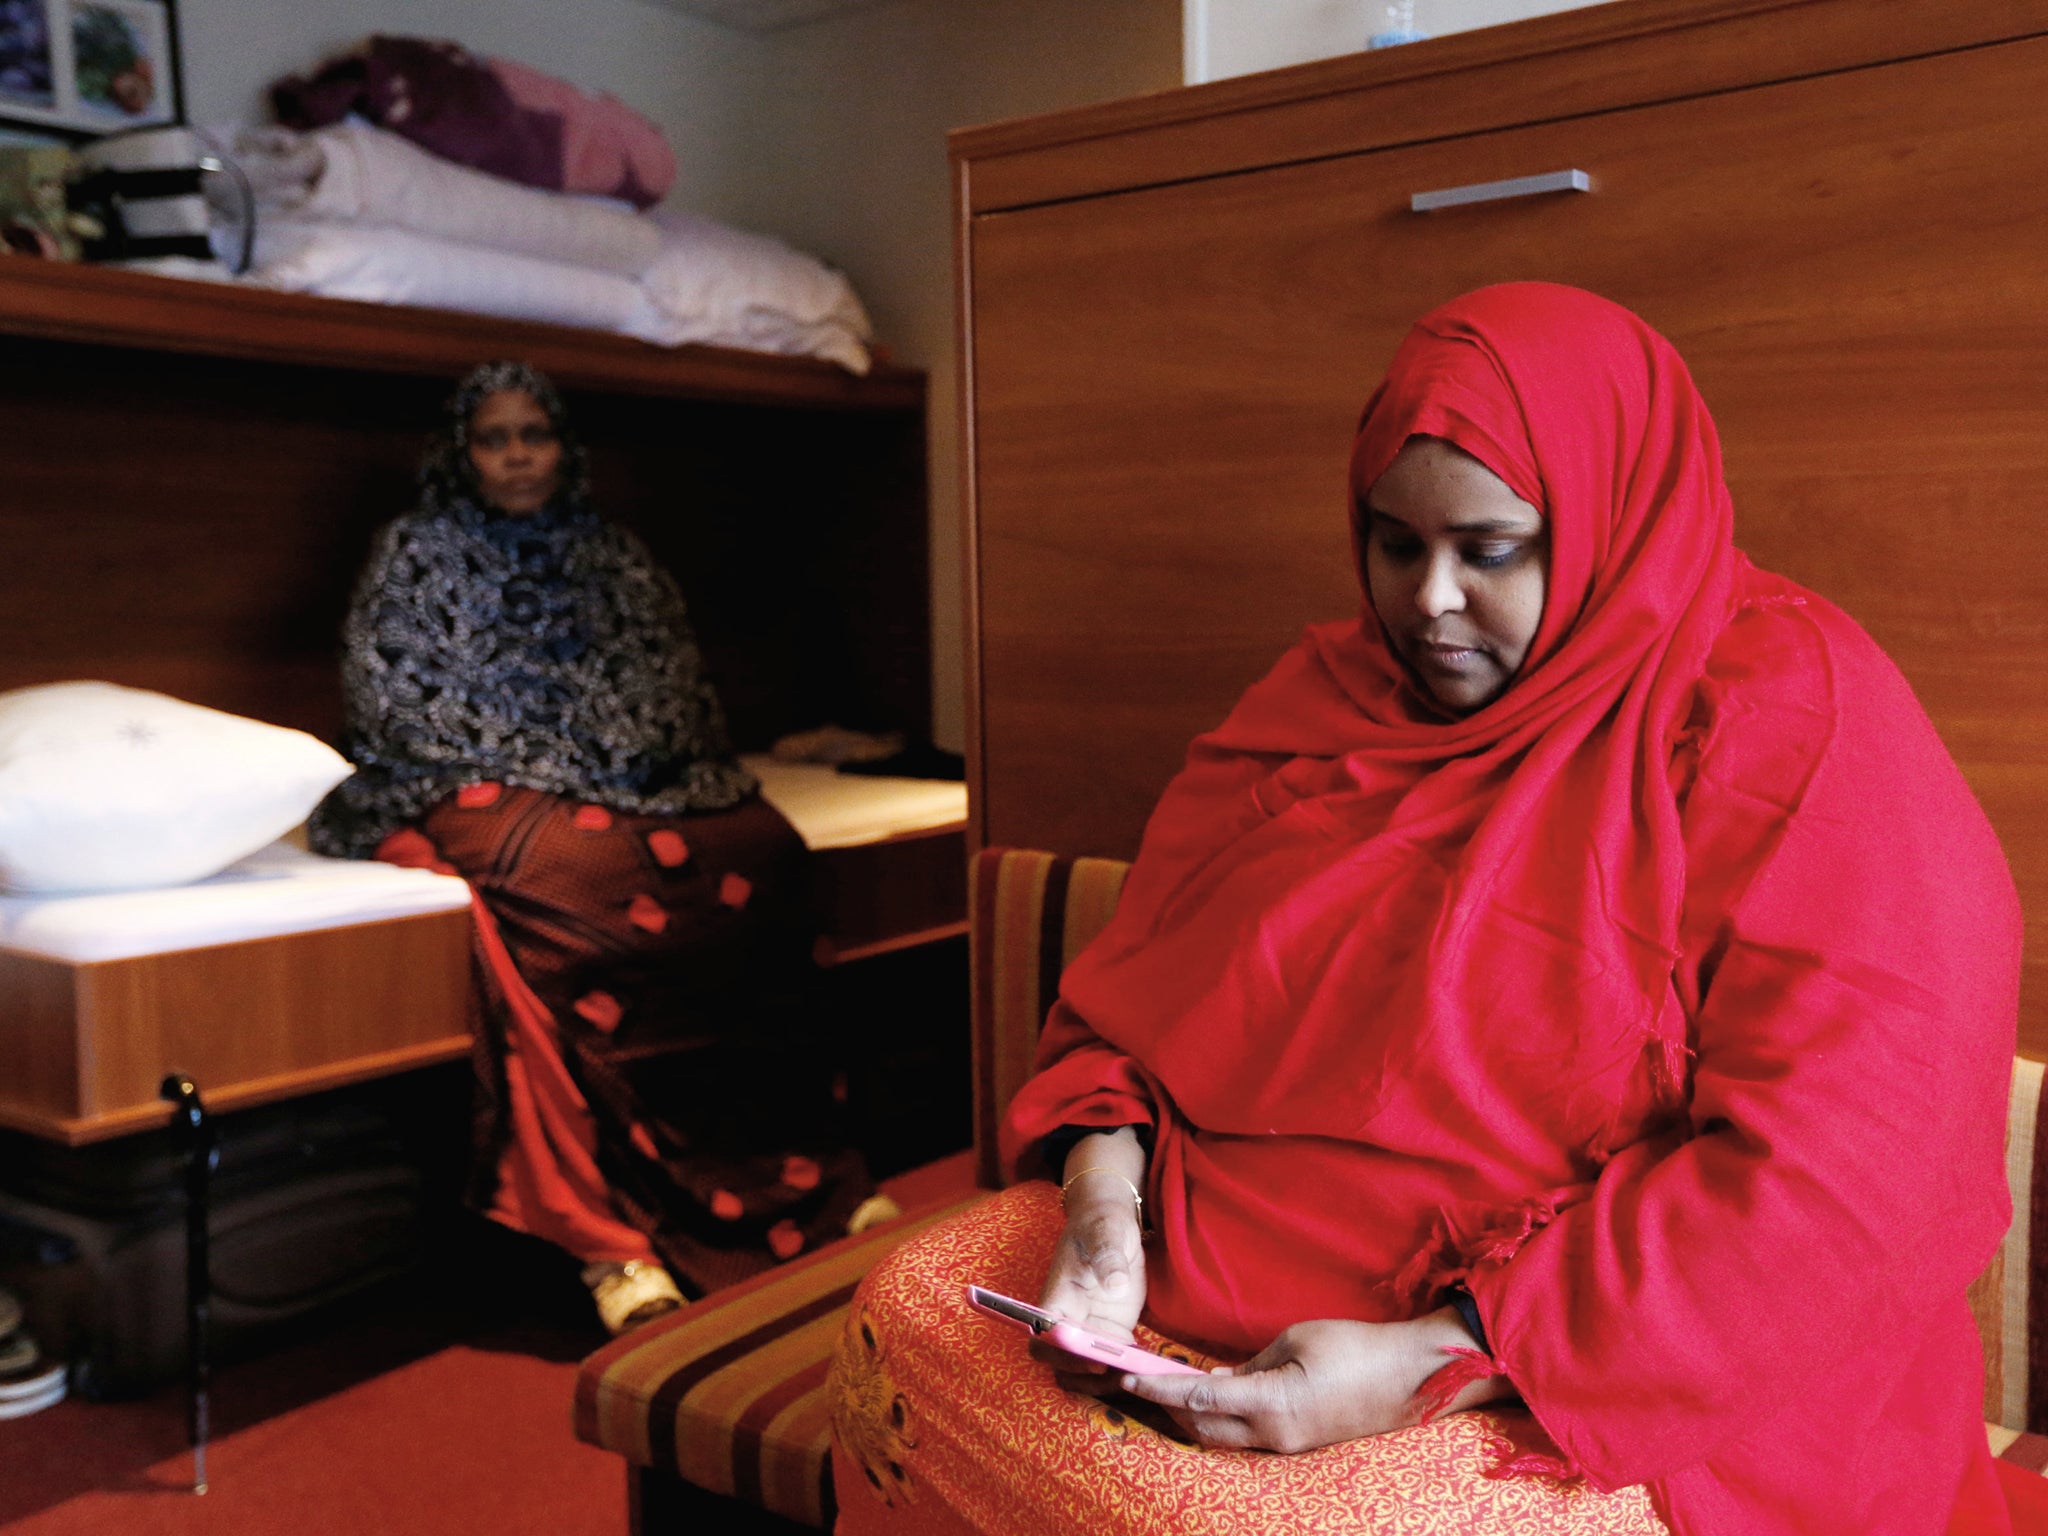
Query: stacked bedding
[(355, 212)]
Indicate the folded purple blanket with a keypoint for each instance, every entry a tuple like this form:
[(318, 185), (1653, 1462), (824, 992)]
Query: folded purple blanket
[(493, 114)]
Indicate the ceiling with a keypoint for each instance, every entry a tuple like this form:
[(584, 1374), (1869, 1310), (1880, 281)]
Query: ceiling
[(765, 15)]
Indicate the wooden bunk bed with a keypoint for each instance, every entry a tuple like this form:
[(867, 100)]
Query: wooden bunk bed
[(192, 474)]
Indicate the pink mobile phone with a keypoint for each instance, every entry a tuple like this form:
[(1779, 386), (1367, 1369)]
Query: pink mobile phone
[(1075, 1339)]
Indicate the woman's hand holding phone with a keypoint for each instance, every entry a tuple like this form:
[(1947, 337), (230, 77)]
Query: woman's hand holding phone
[(1076, 1340), (1097, 1274)]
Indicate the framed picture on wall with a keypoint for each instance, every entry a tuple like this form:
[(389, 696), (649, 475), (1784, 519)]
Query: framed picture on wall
[(82, 68)]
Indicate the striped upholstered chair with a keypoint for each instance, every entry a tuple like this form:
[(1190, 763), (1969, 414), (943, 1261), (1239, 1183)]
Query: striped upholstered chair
[(721, 1411), (2011, 1297)]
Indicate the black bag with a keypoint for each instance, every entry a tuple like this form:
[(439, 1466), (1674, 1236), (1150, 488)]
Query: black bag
[(311, 1201)]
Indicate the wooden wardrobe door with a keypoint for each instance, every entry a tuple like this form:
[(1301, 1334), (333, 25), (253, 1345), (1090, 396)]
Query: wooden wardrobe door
[(1166, 384)]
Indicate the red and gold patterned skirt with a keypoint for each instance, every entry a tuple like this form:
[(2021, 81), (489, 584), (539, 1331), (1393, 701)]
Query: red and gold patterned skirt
[(946, 1425)]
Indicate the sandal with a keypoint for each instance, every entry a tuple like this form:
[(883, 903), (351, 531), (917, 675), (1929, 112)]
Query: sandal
[(629, 1294), (19, 1356), (872, 1212)]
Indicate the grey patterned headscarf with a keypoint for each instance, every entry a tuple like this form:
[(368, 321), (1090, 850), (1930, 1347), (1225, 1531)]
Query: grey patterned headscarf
[(548, 651)]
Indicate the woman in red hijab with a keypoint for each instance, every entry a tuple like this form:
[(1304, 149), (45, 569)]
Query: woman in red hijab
[(1585, 979)]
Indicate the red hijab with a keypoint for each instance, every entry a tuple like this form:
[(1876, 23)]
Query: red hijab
[(1506, 854)]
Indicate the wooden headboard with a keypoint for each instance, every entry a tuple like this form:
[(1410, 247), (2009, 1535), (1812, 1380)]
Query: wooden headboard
[(190, 474), (1174, 307)]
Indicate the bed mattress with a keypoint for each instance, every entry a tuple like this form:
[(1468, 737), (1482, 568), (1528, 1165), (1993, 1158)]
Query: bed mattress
[(830, 809), (281, 889)]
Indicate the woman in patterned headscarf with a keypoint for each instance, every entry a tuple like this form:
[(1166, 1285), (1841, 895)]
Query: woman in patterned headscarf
[(526, 707)]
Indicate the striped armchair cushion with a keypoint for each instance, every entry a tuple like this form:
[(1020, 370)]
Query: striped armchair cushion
[(1029, 914), (729, 1394), (2006, 1296)]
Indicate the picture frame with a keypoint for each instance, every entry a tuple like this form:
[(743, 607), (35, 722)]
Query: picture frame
[(80, 69)]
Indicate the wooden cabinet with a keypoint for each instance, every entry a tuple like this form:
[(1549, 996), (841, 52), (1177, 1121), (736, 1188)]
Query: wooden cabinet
[(1174, 309)]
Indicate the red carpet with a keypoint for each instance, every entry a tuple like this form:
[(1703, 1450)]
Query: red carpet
[(464, 1439), (404, 1416), (410, 1415)]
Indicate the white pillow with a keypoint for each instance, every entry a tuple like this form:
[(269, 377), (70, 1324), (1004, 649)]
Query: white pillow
[(112, 789)]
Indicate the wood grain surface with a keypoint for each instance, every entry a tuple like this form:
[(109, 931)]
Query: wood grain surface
[(888, 895), (85, 1047), (1573, 63)]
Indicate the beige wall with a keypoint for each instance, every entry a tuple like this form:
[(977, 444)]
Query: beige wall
[(849, 161), (697, 80), (1236, 37)]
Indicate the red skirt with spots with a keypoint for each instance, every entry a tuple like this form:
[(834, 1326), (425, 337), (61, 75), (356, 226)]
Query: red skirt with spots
[(653, 1077)]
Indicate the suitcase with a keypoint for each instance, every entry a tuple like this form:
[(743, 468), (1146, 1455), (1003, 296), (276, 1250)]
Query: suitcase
[(312, 1200)]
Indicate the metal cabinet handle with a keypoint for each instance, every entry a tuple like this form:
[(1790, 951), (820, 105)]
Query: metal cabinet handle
[(1495, 191)]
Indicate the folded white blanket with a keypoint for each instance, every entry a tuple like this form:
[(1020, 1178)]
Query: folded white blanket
[(355, 212), (353, 173), (394, 266)]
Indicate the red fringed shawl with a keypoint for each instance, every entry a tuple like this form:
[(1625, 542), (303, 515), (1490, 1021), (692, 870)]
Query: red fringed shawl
[(1667, 1001)]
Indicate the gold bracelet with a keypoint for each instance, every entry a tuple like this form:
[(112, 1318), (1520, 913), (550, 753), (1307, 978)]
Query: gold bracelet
[(1135, 1195)]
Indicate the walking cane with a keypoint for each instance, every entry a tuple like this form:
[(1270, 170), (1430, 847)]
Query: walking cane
[(202, 1150)]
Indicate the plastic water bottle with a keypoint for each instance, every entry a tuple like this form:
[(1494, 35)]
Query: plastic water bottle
[(1399, 28)]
